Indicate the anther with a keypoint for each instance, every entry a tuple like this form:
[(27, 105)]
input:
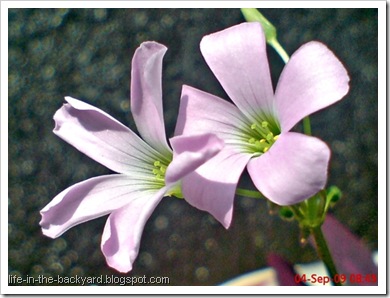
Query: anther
[(263, 138), (270, 136), (163, 169), (159, 169)]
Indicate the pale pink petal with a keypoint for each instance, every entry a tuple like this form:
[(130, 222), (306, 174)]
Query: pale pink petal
[(91, 199), (190, 152), (122, 234), (146, 94), (313, 79), (201, 112), (102, 138), (292, 170), (237, 56), (212, 187)]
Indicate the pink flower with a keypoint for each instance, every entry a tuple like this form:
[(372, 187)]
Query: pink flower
[(287, 167), (148, 169)]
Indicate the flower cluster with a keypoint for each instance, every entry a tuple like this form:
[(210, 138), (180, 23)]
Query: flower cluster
[(214, 140)]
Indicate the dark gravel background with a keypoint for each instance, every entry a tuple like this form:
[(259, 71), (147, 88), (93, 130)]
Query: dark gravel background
[(86, 53)]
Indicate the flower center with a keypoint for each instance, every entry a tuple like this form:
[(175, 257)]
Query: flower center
[(261, 138), (159, 170)]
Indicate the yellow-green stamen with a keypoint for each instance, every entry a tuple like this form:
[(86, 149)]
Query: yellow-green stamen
[(159, 169), (262, 138)]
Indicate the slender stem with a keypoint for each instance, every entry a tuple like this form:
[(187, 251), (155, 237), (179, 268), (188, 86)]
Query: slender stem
[(324, 254), (249, 193), (306, 126), (279, 49)]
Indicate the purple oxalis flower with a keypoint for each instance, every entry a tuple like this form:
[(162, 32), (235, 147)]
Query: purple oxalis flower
[(287, 167), (148, 169)]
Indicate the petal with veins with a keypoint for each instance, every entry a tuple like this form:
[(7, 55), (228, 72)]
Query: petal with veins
[(91, 199), (102, 138), (201, 112), (238, 58)]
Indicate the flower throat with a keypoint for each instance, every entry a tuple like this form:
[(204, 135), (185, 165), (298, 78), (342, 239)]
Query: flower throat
[(262, 138), (159, 170)]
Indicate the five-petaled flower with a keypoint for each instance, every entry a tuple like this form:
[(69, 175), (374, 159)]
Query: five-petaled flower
[(148, 169), (287, 167)]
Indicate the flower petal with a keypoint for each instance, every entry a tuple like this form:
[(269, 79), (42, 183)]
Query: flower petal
[(102, 138), (237, 56), (313, 79), (294, 168), (91, 199), (213, 185), (284, 270), (122, 234), (350, 253), (190, 152), (146, 94), (201, 112)]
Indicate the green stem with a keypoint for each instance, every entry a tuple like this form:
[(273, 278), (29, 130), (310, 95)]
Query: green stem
[(306, 126), (324, 253), (248, 193), (279, 49)]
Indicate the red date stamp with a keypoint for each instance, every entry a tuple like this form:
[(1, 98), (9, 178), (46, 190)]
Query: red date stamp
[(352, 279)]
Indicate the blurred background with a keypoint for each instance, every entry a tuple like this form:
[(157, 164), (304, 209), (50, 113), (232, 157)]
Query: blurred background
[(86, 54)]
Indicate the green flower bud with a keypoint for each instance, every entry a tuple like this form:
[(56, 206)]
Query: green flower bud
[(334, 194), (286, 213)]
